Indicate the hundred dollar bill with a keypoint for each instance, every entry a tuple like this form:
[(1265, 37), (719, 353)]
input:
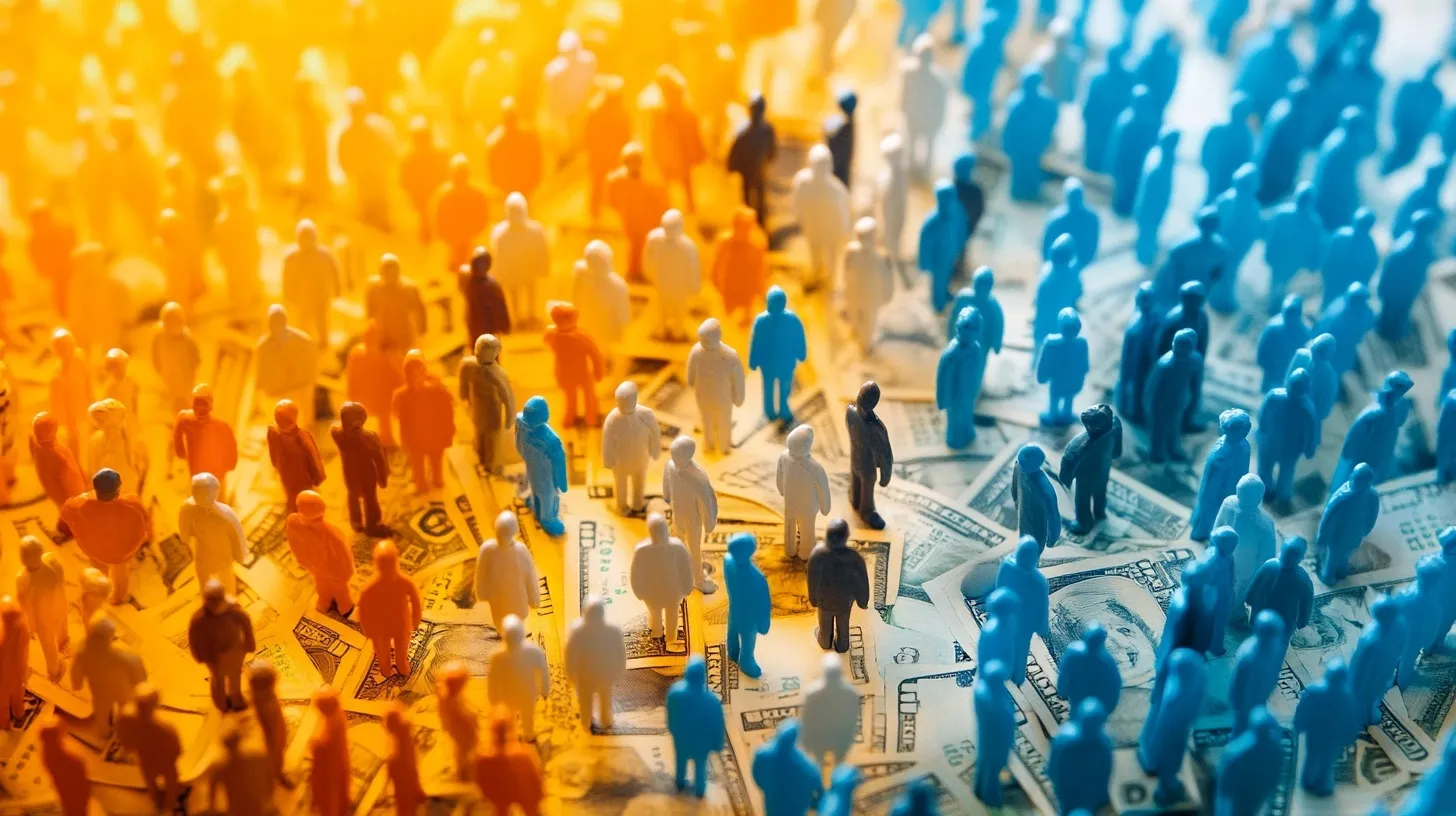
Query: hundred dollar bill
[(819, 411), (791, 660), (669, 394), (917, 434), (952, 795), (635, 774), (897, 646)]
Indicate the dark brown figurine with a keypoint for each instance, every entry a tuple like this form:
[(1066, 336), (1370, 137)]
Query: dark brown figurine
[(1087, 462), (485, 300), (838, 579), (263, 680), (365, 468), (294, 454), (870, 455), (221, 638), (156, 745)]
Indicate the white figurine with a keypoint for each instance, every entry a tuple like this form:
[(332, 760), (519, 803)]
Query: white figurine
[(869, 283), (569, 81), (805, 488), (893, 193), (601, 297), (287, 363), (596, 658), (112, 444), (1244, 512), (522, 258), (694, 504), (40, 586), (922, 100), (715, 373), (505, 575), (310, 281), (821, 206), (111, 670), (118, 384), (517, 675), (394, 303), (662, 576), (831, 16), (830, 716), (670, 261), (631, 440), (214, 532), (95, 589)]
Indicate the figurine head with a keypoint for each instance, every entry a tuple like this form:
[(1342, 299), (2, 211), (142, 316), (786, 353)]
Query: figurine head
[(832, 668), (1186, 664), (415, 369), (1003, 604), (107, 484), (1074, 194), (864, 231), (632, 159), (964, 166), (356, 101), (1234, 424), (1068, 323), (517, 210), (285, 415), (513, 632), (452, 679), (1064, 251), (968, 325), (1246, 179), (1097, 419), (945, 196), (459, 169), (1250, 490), (396, 722), (1091, 715), (386, 558), (1030, 457), (757, 107), (745, 221), (263, 680), (1385, 611), (742, 546), (1291, 553), (598, 257), (1397, 383), (1268, 626), (920, 797), (1028, 553), (1168, 141), (923, 49), (277, 319), (1322, 347), (326, 701), (510, 114), (311, 505), (204, 489), (94, 584), (800, 442), (1304, 196), (627, 397), (1191, 296), (115, 363), (1185, 342), (1429, 572), (983, 281), (352, 416), (821, 161), (1424, 222), (892, 149), (1207, 221), (786, 737), (682, 450), (564, 316), (1224, 540), (44, 428), (305, 234), (1143, 104), (845, 777), (101, 632), (63, 344), (202, 400), (1447, 539), (214, 597), (1357, 295), (1293, 309), (996, 672), (1239, 108), (695, 674), (1363, 221), (657, 530), (710, 333), (836, 535), (672, 223), (568, 44), (593, 610), (1143, 299), (419, 132), (31, 552), (507, 527), (1337, 673), (502, 726), (775, 301), (389, 268), (535, 412), (487, 349), (868, 397), (1117, 54), (108, 413), (1095, 636), (1362, 478), (848, 101)]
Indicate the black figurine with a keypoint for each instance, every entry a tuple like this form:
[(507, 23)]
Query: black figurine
[(838, 579), (752, 152), (1087, 461), (839, 136), (869, 454), (972, 198), (1138, 354)]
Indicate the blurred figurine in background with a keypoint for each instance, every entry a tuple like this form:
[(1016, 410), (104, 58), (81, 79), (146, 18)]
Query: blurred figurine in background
[(508, 772), (740, 266), (822, 209), (753, 151), (286, 364), (486, 311), (458, 718), (111, 671), (424, 168), (839, 132), (640, 204), (942, 242), (310, 281), (923, 101), (868, 284), (595, 658), (402, 762), (670, 261), (155, 743), (600, 297), (1031, 119), (513, 152), (40, 588), (958, 379), (329, 779), (607, 129), (393, 302), (522, 260), (220, 637), (70, 391), (675, 134), (461, 213), (579, 364)]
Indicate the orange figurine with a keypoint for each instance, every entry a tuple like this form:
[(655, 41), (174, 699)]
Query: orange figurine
[(156, 745), (108, 527), (508, 772), (220, 637), (423, 169), (100, 310), (457, 715), (579, 363), (638, 202), (394, 303), (206, 442), (426, 421), (370, 379), (294, 454), (740, 266), (182, 258), (239, 251), (245, 777), (66, 769), (118, 384), (608, 129), (329, 749), (321, 548), (51, 242), (389, 610), (361, 456), (513, 153), (402, 763), (263, 682), (40, 584), (176, 355), (70, 390), (14, 661), (310, 281), (462, 212), (676, 137), (55, 465)]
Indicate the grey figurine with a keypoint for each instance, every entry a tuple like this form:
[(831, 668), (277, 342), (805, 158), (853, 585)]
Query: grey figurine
[(870, 455), (485, 387), (838, 579), (1087, 461)]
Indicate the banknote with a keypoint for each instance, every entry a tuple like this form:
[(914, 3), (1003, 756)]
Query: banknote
[(635, 774), (368, 747), (819, 411), (791, 661), (952, 795), (669, 394), (334, 652), (917, 434), (898, 646)]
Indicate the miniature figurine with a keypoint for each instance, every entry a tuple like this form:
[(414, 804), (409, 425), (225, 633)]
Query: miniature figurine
[(1248, 773), (958, 379), (837, 580), (838, 800), (1000, 636), (830, 715), (1240, 224), (508, 772), (365, 469), (675, 133), (1421, 606), (695, 722), (108, 527), (1432, 794), (1073, 218), (1328, 718), (287, 363), (970, 195), (485, 299), (715, 373), (393, 303), (791, 782), (175, 355), (423, 170), (607, 129), (892, 193), (1403, 275), (640, 204), (485, 387), (1108, 95), (458, 716), (980, 295), (111, 670), (804, 484), (579, 363), (1372, 436), (1133, 135), (662, 576), (213, 531), (364, 148), (112, 444), (118, 384), (426, 422), (868, 283), (1164, 738), (1035, 498), (461, 211), (1257, 665), (1413, 113), (1139, 342), (1020, 574), (1158, 68), (513, 152), (1080, 762), (869, 453), (1202, 257), (1062, 363), (505, 574), (310, 281), (1348, 319), (14, 661), (942, 243), (220, 637), (182, 260), (1349, 516), (517, 675), (321, 549), (750, 609), (995, 730), (1031, 120), (235, 236), (66, 768), (294, 454), (1284, 334), (545, 459), (40, 588), (70, 390), (1227, 462), (1227, 146), (206, 442), (401, 763), (524, 260), (1154, 194), (1089, 672), (753, 150), (821, 207), (694, 504), (670, 261), (776, 347), (1294, 240), (1087, 465), (389, 610), (595, 659), (329, 776), (600, 295), (1446, 439), (1059, 287), (95, 589), (1377, 653), (1266, 65), (263, 682), (923, 101), (631, 440), (740, 265), (1173, 386), (1350, 257), (984, 58), (1244, 512)]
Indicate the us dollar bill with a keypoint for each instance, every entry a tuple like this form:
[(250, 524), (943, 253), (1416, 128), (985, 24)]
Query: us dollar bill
[(668, 393), (952, 795), (635, 774), (791, 660)]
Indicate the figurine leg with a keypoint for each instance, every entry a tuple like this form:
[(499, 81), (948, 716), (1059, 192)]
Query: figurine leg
[(654, 620), (604, 706), (841, 630), (417, 471), (592, 410), (700, 776), (584, 706), (826, 628), (568, 419), (636, 488), (218, 686), (746, 662), (436, 463), (51, 649), (1284, 485), (619, 485), (864, 493), (681, 777), (670, 628), (386, 429), (231, 669), (988, 784), (383, 656), (1170, 788), (356, 511), (1438, 643), (120, 575), (372, 514), (1319, 769), (1082, 500)]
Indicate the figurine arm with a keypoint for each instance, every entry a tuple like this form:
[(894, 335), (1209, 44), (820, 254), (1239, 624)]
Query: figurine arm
[(417, 609), (179, 437), (1072, 459), (710, 509), (528, 577), (558, 466), (654, 436), (861, 584), (598, 361), (250, 644), (273, 451), (821, 487), (814, 574), (1116, 438), (482, 575), (755, 353), (692, 373), (736, 372), (799, 343), (381, 464), (609, 440), (507, 397), (780, 477)]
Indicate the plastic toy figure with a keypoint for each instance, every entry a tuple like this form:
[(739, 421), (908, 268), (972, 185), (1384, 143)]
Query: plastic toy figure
[(1284, 334), (749, 604), (600, 295), (1164, 738), (1139, 344), (1249, 771), (1059, 288), (1020, 574), (791, 782), (1266, 65), (958, 379), (1173, 387), (286, 364), (328, 748), (1133, 136), (517, 675), (66, 768), (206, 442), (579, 363), (995, 730), (1328, 718), (1433, 794), (892, 189), (694, 504), (869, 454), (753, 151), (461, 210), (1377, 653), (838, 800), (1404, 274), (545, 459), (1240, 224), (831, 17), (321, 549), (1244, 513), (919, 800), (235, 237), (1108, 95), (1087, 465), (523, 259), (1421, 606), (695, 722), (40, 588), (213, 531), (923, 96), (1282, 586), (1349, 516), (1080, 762), (505, 573), (981, 296), (181, 250), (839, 136), (512, 770), (970, 195), (868, 283), (837, 580), (1372, 436), (294, 454), (15, 661), (1061, 56), (1074, 218), (1446, 439), (607, 129), (95, 590), (389, 610), (118, 384), (1157, 68), (639, 202), (486, 311), (1062, 363), (1417, 101), (108, 527), (426, 422), (942, 241), (70, 390), (1295, 241), (112, 445), (310, 281), (513, 153), (1353, 82), (49, 248), (393, 302), (1424, 196), (1348, 319), (740, 265), (1448, 375), (1036, 499), (662, 577), (1325, 381), (401, 763), (486, 389), (715, 373), (595, 659), (830, 715), (804, 484), (1031, 120), (569, 78), (1336, 187), (1089, 672), (365, 148), (1257, 665), (155, 744), (458, 718), (1201, 257), (984, 58), (423, 169), (631, 440), (821, 207), (1227, 462), (776, 347), (1154, 193), (1283, 140), (675, 133), (670, 261), (365, 468), (1000, 635), (220, 637), (109, 669)]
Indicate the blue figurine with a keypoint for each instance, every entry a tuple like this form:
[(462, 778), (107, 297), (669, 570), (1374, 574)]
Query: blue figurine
[(1169, 723), (1336, 185), (1139, 341), (1288, 429), (1377, 653), (839, 799), (995, 730), (1350, 257), (1448, 374), (1417, 101), (915, 18), (695, 721), (1354, 83), (1219, 591), (1000, 632), (1133, 136), (1174, 384), (1349, 516), (981, 294), (1283, 335), (1080, 762), (958, 379), (1062, 364), (1087, 465), (1356, 18), (1447, 541), (1446, 439), (1403, 275), (1158, 68), (1063, 65), (970, 195), (1222, 20), (983, 63), (1154, 193), (1372, 436), (1295, 240), (919, 800), (1267, 66), (1436, 792), (1228, 145), (1188, 314), (1348, 319), (1282, 585), (839, 136), (1073, 218), (1202, 257), (1187, 624), (1089, 672), (1421, 605), (791, 782), (1250, 769), (1282, 141), (1425, 196), (545, 457), (1060, 287), (942, 240), (1227, 462), (1108, 95), (1020, 574), (1257, 664), (1240, 224), (1446, 130), (749, 604), (1031, 118), (776, 347), (1036, 500), (1316, 358), (1328, 720)]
